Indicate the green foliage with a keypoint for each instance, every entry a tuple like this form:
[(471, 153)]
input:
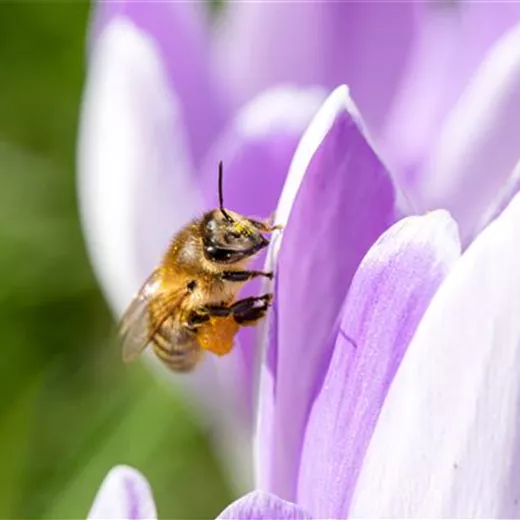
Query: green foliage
[(69, 410)]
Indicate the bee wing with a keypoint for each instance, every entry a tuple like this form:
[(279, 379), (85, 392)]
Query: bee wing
[(135, 328)]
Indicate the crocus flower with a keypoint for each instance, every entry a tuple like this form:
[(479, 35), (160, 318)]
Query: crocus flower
[(157, 99), (152, 134), (389, 384)]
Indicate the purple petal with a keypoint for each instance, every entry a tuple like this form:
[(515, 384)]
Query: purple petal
[(257, 150), (124, 494), (452, 41), (446, 442), (345, 201), (478, 147), (500, 202), (259, 505), (388, 296), (180, 33), (364, 44)]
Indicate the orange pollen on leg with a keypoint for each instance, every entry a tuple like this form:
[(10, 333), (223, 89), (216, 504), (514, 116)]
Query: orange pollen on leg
[(217, 334)]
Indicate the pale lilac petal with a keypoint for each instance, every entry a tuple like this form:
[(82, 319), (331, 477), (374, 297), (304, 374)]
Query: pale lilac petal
[(452, 41), (180, 34), (499, 203), (478, 148), (135, 184), (257, 150), (388, 296), (258, 147), (124, 494), (446, 442), (345, 200), (364, 44), (259, 505), (135, 178)]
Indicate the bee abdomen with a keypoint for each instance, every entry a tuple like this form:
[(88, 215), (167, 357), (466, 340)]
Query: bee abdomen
[(180, 353)]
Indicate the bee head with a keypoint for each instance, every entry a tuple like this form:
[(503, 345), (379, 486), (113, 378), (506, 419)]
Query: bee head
[(229, 238)]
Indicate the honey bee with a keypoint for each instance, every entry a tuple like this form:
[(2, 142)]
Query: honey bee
[(189, 304)]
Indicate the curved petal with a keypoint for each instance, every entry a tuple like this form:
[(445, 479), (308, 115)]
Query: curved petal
[(500, 202), (478, 148), (180, 33), (364, 44), (257, 150), (259, 505), (124, 494), (388, 296), (446, 443), (135, 179), (344, 199), (452, 41)]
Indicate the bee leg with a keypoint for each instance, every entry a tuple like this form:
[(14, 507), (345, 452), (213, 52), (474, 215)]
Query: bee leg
[(250, 310), (240, 306), (217, 310), (265, 227), (247, 304), (243, 276), (196, 319), (251, 316)]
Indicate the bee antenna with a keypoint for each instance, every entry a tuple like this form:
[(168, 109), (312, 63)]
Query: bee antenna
[(221, 192)]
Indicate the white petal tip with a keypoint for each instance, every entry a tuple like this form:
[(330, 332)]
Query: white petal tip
[(443, 235), (124, 494), (284, 108), (444, 222), (338, 102), (437, 230)]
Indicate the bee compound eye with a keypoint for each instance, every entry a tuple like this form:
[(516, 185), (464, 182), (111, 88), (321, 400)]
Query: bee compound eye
[(192, 285), (221, 254), (215, 253)]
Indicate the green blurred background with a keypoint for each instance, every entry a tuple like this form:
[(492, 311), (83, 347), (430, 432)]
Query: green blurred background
[(69, 409)]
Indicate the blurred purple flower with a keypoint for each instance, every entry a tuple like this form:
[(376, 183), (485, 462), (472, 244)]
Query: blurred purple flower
[(444, 115)]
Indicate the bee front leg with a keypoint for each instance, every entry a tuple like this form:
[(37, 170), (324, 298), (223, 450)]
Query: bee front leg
[(266, 227), (243, 276)]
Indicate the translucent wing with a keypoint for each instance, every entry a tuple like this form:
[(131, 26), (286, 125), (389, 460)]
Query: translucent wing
[(135, 328)]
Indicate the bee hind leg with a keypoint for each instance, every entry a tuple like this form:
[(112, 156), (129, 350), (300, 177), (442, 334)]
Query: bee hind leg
[(250, 310), (243, 309), (253, 302), (251, 316)]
